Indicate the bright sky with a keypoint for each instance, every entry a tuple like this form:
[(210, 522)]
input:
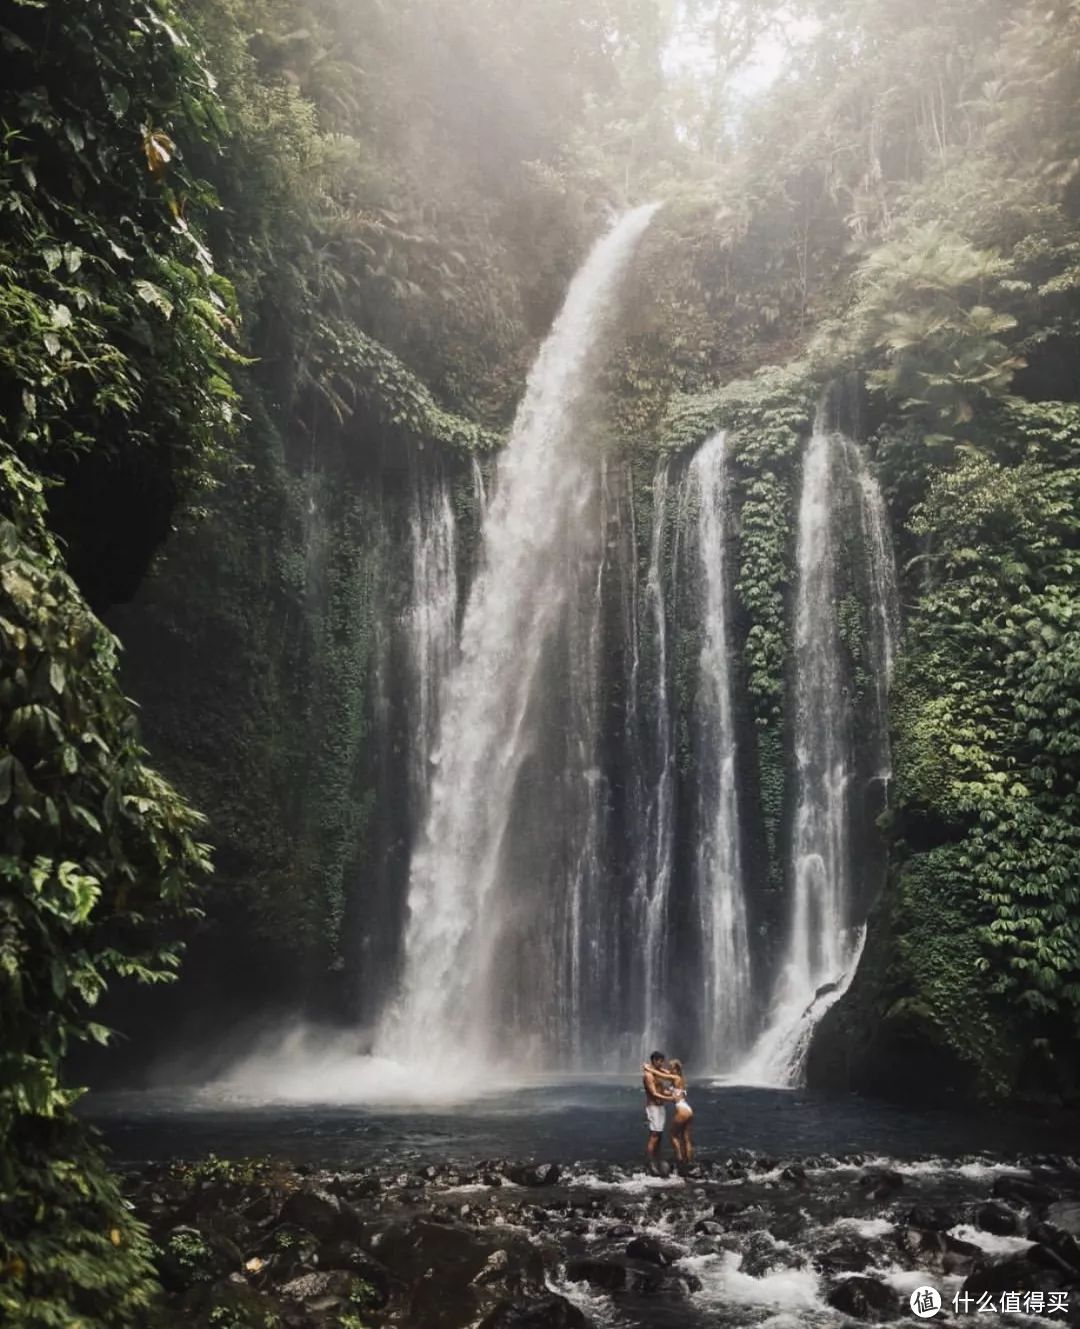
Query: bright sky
[(690, 52)]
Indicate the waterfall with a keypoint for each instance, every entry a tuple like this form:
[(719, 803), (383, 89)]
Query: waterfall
[(469, 879), (825, 937), (884, 596), (718, 879), (431, 615), (656, 833)]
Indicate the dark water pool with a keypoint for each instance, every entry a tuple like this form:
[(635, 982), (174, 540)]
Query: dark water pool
[(598, 1119)]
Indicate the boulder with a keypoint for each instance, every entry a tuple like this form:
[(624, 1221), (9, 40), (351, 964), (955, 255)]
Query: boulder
[(933, 1218), (761, 1256), (863, 1298), (327, 1217), (650, 1250), (881, 1183), (1065, 1215), (551, 1312), (853, 1254), (1033, 1194), (1026, 1270), (349, 1257), (614, 1275), (534, 1174), (996, 1217)]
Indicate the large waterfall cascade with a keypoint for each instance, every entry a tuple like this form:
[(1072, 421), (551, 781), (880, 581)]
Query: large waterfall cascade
[(579, 886), (540, 553), (825, 930)]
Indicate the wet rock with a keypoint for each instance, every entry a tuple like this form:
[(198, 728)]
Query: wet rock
[(1061, 1249), (1034, 1194), (933, 1218), (850, 1255), (614, 1275), (1028, 1270), (881, 1183), (621, 1231), (728, 1208), (456, 1254), (752, 1219), (996, 1217), (327, 1217), (761, 1255), (1065, 1215), (650, 1250), (938, 1251), (863, 1298), (551, 1312), (535, 1174), (708, 1227), (796, 1175)]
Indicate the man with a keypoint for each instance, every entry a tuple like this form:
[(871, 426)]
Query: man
[(656, 1098)]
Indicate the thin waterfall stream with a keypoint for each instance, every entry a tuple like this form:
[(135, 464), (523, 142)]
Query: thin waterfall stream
[(826, 928), (719, 886)]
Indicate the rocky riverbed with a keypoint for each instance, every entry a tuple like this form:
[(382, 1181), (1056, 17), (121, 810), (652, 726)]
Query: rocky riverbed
[(750, 1240)]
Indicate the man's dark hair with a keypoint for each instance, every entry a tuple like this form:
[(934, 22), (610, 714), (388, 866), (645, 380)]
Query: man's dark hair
[(653, 1056)]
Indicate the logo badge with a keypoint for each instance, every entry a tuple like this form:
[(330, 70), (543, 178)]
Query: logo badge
[(925, 1302)]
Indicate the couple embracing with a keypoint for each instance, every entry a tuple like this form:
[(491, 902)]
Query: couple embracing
[(664, 1084)]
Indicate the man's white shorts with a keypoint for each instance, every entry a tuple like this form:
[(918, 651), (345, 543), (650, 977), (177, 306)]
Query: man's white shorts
[(655, 1116)]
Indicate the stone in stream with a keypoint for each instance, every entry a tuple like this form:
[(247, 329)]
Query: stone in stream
[(852, 1254), (1034, 1194), (934, 1218), (1065, 1215), (535, 1174), (881, 1183), (995, 1216), (651, 1251), (551, 1312), (1032, 1270), (863, 1298), (761, 1255), (612, 1274)]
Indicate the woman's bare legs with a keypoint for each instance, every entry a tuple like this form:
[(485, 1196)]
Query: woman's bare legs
[(688, 1140)]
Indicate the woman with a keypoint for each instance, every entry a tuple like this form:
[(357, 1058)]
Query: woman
[(682, 1140)]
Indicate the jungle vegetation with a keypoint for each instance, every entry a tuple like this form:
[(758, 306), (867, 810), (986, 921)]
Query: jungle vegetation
[(240, 235)]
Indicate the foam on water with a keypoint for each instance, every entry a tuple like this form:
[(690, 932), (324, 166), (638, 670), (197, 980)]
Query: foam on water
[(990, 1241), (724, 1284)]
